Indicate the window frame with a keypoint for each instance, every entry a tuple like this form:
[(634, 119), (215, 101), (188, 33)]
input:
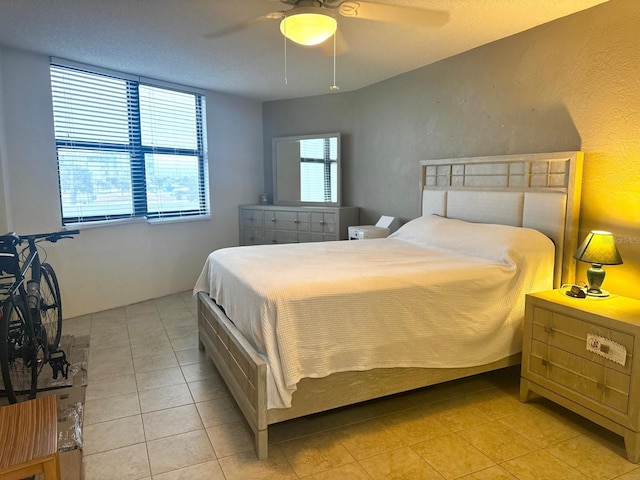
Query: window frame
[(137, 151)]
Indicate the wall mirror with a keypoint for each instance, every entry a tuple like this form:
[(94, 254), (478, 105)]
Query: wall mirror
[(306, 170)]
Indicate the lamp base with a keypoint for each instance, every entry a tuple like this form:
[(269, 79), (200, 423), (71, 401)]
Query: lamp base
[(600, 294)]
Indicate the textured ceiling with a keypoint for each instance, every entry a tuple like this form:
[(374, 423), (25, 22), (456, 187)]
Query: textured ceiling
[(174, 40)]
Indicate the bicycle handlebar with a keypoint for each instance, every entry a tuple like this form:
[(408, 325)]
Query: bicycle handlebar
[(52, 237)]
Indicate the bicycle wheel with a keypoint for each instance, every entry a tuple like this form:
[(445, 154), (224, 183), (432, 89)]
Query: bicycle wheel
[(50, 306), (18, 354)]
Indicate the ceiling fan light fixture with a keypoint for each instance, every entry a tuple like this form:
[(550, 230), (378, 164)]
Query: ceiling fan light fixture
[(308, 26)]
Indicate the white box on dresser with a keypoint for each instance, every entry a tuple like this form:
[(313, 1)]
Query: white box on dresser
[(264, 224), (557, 364)]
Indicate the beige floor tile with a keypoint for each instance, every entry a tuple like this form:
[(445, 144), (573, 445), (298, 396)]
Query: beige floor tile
[(580, 452), (141, 308), (459, 413), (208, 389), (99, 353), (497, 441), (159, 378), (352, 471), (127, 463), (110, 340), (182, 331), (415, 425), (245, 466), (541, 465), (316, 453), (496, 403), (185, 343), (111, 408), (399, 464), (110, 387), (369, 438), (199, 371), (171, 421), (109, 362), (104, 330), (452, 456), (203, 471), (541, 426), (179, 451), (122, 432), (109, 316), (155, 362), (165, 397), (150, 347), (492, 473), (194, 355), (178, 319), (219, 411), (148, 325), (231, 438), (632, 475), (77, 326)]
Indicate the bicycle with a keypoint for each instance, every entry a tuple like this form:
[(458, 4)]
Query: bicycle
[(30, 314)]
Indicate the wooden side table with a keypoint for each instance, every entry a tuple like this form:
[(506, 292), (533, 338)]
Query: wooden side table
[(567, 357), (29, 439)]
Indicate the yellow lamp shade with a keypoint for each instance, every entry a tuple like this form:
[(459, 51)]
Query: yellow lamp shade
[(308, 26)]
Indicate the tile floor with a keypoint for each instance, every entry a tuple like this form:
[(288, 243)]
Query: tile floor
[(157, 409)]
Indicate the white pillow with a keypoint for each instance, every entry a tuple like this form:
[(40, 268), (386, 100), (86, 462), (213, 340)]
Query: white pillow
[(500, 243)]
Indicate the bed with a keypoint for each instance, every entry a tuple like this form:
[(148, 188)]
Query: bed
[(440, 299)]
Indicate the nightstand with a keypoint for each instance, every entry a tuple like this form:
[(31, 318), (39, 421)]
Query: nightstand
[(364, 232), (584, 354)]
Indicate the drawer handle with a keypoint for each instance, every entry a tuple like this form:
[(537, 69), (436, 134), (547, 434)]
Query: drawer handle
[(273, 219), (548, 329), (296, 221), (544, 362), (321, 222)]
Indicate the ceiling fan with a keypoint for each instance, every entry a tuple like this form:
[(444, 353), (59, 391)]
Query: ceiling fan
[(311, 22)]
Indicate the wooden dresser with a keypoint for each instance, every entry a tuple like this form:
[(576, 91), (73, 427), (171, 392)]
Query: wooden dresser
[(584, 354), (263, 224)]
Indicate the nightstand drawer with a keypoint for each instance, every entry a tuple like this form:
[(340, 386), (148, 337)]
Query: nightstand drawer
[(570, 334), (597, 382)]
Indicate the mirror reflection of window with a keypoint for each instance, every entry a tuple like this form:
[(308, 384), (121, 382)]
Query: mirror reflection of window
[(318, 169)]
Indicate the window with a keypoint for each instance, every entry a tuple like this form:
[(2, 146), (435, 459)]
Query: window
[(127, 148), (318, 169)]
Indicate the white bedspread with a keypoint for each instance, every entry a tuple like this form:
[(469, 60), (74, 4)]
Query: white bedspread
[(438, 293)]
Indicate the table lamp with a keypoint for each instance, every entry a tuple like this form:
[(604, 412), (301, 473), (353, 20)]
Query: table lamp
[(598, 248)]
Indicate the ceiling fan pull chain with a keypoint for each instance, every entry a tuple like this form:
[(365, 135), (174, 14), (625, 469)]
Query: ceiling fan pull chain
[(285, 58), (334, 87)]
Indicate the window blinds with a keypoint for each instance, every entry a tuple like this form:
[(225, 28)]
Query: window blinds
[(127, 148)]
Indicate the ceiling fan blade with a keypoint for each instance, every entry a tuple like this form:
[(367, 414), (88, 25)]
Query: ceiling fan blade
[(244, 25), (394, 13)]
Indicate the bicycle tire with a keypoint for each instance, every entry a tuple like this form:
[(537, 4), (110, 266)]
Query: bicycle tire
[(50, 306), (18, 356)]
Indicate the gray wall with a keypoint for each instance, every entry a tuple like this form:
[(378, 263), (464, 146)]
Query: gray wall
[(111, 266), (568, 85)]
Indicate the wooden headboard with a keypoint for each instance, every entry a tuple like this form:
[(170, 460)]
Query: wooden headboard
[(539, 191)]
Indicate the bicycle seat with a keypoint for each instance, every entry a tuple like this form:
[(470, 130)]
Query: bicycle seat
[(11, 237), (8, 253)]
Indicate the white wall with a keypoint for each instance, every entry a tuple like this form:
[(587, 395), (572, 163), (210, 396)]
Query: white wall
[(117, 265)]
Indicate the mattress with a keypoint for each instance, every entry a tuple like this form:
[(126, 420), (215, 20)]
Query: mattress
[(438, 293)]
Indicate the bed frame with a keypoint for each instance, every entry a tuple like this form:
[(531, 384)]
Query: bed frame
[(540, 191)]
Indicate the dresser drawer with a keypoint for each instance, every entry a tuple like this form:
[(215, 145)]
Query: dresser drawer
[(592, 380), (323, 222), (252, 218), (285, 236), (570, 334), (252, 236), (285, 220)]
